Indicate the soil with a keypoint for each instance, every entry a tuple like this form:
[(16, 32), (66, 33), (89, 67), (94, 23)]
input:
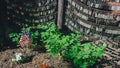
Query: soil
[(34, 57), (32, 60)]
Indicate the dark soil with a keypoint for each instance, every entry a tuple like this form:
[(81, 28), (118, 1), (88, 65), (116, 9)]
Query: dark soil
[(32, 60)]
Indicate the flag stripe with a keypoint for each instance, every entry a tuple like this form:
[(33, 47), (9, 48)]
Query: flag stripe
[(25, 41)]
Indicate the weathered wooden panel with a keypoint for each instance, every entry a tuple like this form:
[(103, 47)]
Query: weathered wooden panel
[(96, 17), (89, 18), (32, 12), (103, 16)]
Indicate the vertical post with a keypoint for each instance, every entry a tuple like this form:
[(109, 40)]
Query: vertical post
[(60, 13)]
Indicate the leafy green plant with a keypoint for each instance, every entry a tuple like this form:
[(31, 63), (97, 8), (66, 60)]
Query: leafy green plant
[(51, 36), (55, 40), (68, 46), (82, 55), (34, 34), (15, 37)]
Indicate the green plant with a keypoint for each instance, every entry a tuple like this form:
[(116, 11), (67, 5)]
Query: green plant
[(51, 36), (55, 40), (15, 37), (34, 35), (84, 55), (69, 46)]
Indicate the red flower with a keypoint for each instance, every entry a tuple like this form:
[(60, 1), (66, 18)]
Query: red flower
[(43, 65)]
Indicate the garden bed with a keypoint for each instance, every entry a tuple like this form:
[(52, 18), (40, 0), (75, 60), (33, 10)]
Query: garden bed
[(33, 59)]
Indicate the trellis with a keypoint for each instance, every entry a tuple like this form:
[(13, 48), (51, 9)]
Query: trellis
[(94, 19), (31, 12)]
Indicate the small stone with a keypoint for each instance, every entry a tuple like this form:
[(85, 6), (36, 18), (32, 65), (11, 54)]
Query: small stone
[(118, 63), (104, 44), (108, 67)]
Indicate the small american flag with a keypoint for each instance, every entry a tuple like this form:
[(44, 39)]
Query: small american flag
[(25, 40)]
